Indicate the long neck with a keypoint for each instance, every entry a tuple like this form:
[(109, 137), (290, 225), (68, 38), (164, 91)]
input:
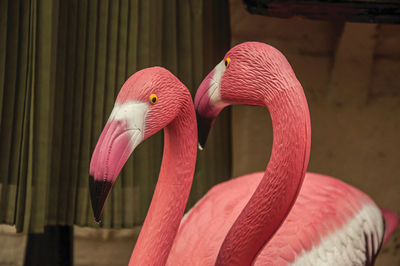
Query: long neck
[(278, 189), (172, 190)]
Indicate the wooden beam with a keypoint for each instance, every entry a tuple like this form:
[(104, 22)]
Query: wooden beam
[(372, 11)]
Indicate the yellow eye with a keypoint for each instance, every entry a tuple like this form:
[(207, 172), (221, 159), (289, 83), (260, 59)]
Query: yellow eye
[(153, 99), (227, 62)]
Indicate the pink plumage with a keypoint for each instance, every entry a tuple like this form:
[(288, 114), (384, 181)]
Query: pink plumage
[(134, 118), (325, 205), (391, 223), (250, 219)]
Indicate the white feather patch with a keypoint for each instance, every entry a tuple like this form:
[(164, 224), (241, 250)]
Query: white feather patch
[(355, 243), (134, 115)]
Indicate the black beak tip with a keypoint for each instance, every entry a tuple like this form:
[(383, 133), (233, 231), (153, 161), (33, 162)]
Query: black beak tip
[(203, 127), (200, 146), (98, 195)]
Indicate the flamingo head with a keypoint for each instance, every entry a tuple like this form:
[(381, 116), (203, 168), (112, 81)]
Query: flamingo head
[(148, 101), (251, 73)]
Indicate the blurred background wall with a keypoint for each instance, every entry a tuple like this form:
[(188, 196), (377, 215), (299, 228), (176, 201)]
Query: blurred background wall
[(349, 72)]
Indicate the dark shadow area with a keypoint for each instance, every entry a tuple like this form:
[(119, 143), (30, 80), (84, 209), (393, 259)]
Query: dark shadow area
[(53, 247)]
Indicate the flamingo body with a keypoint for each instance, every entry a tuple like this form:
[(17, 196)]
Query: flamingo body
[(284, 215), (331, 223), (279, 217), (150, 100)]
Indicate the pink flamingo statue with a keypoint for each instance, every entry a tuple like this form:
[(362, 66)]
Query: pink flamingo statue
[(150, 100), (250, 220), (153, 99)]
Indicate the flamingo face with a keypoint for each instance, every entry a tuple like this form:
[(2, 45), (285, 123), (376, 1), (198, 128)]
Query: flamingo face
[(208, 101), (148, 101), (237, 79)]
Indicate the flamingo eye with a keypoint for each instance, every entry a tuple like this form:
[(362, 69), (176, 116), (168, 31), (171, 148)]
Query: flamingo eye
[(227, 62), (153, 99)]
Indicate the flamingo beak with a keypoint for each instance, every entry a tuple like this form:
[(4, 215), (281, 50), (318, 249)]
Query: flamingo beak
[(204, 125), (120, 136), (208, 103), (205, 112)]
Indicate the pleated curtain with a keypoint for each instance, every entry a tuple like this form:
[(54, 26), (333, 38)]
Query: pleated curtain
[(62, 64)]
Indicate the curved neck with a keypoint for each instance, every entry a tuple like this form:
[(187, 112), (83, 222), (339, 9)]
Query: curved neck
[(171, 192), (278, 189)]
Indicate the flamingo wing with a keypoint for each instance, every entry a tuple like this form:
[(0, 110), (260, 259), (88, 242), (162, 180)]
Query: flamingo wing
[(331, 223), (204, 227)]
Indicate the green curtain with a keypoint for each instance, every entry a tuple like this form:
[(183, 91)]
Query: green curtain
[(62, 64)]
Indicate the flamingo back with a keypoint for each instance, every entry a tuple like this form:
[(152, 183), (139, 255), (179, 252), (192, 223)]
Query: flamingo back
[(331, 223)]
